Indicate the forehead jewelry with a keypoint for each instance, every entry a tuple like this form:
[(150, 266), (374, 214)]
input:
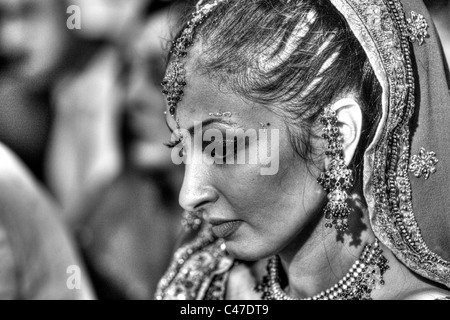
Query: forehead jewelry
[(175, 79)]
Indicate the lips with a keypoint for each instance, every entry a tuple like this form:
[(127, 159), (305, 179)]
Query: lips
[(225, 228)]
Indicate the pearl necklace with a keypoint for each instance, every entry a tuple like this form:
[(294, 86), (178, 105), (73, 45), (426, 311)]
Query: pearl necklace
[(364, 276)]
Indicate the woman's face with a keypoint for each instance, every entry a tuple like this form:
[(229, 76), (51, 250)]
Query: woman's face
[(257, 215)]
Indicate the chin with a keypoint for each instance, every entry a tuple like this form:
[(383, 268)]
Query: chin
[(247, 251)]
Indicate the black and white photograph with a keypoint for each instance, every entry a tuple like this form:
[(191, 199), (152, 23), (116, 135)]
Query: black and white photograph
[(229, 150)]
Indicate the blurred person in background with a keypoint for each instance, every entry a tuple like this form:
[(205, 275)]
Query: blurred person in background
[(33, 47), (129, 228), (37, 253), (84, 123)]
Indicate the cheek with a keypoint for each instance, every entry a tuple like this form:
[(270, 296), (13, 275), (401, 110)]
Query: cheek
[(274, 208), (280, 199)]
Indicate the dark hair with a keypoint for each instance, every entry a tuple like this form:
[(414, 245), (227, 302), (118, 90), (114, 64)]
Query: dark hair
[(294, 57)]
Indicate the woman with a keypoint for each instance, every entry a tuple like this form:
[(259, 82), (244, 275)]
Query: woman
[(357, 93)]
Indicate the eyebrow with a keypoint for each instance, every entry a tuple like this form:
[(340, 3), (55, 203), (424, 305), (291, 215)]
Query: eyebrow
[(205, 123)]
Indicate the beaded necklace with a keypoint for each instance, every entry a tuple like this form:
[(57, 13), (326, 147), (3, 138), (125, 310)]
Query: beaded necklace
[(364, 276)]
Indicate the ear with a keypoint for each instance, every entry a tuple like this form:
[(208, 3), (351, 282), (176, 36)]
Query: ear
[(349, 115)]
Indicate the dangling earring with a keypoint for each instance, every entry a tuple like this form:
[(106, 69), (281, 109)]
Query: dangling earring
[(338, 178)]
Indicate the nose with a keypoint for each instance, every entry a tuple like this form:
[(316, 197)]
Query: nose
[(197, 192)]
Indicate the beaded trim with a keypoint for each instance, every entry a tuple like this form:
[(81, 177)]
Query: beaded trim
[(364, 276), (180, 257), (199, 270), (226, 114), (380, 26)]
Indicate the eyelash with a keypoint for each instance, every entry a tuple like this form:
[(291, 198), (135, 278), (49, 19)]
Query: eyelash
[(172, 144), (225, 155)]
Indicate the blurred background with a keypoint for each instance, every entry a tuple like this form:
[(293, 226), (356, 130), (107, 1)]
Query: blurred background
[(440, 11), (83, 110)]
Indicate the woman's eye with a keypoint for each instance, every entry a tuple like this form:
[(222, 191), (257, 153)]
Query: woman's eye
[(221, 151)]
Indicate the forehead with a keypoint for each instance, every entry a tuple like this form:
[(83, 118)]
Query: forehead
[(203, 95)]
